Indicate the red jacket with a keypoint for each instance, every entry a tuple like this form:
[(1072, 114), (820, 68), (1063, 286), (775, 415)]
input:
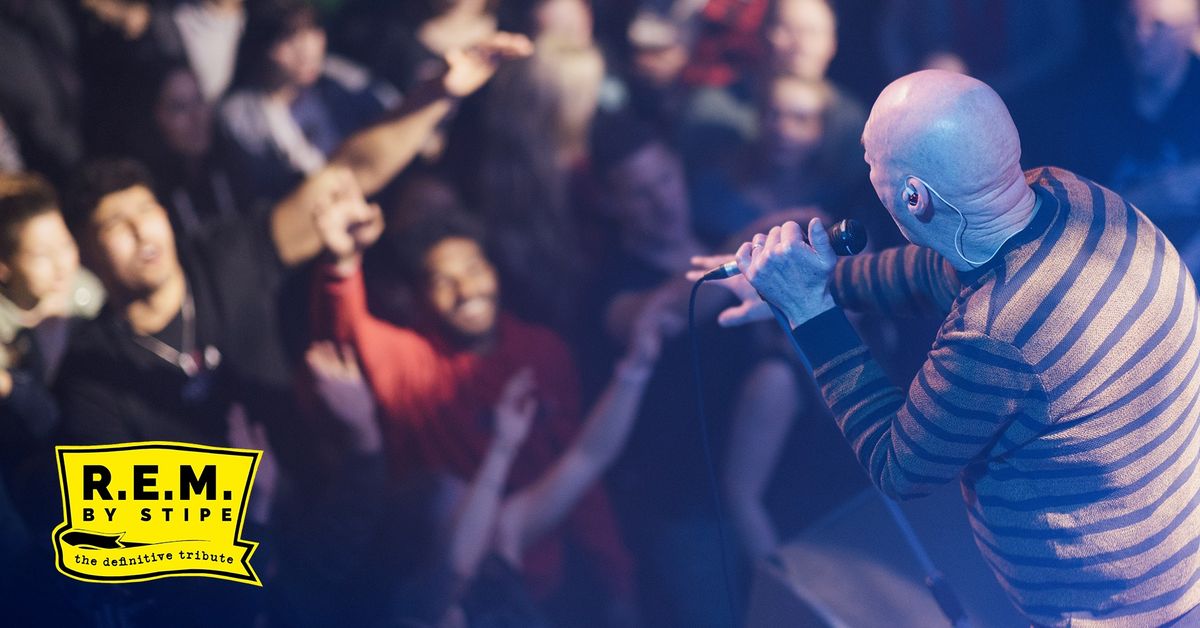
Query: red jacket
[(436, 405)]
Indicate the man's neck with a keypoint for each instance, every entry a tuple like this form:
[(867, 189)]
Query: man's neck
[(457, 343), (988, 238), (446, 337), (151, 313)]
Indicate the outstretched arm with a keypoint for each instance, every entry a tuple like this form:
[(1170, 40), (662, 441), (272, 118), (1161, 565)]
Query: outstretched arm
[(294, 225), (906, 281), (344, 226), (475, 521), (340, 384), (376, 154), (529, 514)]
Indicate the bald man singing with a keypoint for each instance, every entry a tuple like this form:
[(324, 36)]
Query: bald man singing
[(1062, 387)]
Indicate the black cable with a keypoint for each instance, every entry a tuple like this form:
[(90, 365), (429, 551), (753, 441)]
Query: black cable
[(708, 457)]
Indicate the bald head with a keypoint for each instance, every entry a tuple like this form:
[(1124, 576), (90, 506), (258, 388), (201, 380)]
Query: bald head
[(949, 129), (952, 132)]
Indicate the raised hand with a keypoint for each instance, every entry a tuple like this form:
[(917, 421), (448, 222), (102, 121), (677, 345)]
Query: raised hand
[(345, 222), (341, 385), (788, 272), (467, 70), (751, 309), (515, 410), (658, 318)]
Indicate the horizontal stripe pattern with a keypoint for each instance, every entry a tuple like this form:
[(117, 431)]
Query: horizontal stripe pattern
[(1063, 390)]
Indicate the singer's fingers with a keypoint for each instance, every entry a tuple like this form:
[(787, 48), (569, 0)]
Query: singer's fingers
[(744, 257), (819, 239), (759, 238), (790, 235), (772, 238)]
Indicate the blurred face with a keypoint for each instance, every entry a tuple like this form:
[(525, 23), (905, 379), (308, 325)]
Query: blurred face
[(660, 66), (44, 263), (803, 38), (300, 57), (650, 196), (132, 243), (462, 289), (1158, 34), (578, 77), (794, 120), (183, 117)]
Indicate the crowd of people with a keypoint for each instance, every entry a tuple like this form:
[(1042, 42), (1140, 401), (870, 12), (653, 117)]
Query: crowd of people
[(430, 257)]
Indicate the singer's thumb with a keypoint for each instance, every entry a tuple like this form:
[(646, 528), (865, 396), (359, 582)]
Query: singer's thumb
[(818, 238)]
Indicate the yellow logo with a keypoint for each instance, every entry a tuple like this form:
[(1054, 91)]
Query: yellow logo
[(141, 511)]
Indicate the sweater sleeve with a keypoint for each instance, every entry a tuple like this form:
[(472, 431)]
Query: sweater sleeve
[(970, 390), (907, 281), (339, 305), (394, 360)]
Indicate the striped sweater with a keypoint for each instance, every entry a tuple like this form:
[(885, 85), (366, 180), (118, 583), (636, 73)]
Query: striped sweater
[(1061, 390)]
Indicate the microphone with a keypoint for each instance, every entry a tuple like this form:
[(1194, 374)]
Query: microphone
[(847, 236)]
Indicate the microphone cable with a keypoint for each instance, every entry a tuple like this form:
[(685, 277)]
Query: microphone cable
[(730, 600), (847, 237)]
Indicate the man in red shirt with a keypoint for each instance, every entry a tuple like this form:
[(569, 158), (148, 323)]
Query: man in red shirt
[(436, 384)]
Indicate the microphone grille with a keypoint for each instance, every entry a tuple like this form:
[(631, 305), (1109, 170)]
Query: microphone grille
[(848, 237)]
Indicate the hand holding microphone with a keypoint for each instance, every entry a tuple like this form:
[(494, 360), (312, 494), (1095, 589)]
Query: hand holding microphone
[(846, 237), (783, 267)]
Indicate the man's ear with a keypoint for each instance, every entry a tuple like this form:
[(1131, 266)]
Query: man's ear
[(916, 199), (5, 273)]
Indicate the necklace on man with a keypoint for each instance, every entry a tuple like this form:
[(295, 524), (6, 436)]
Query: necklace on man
[(184, 357), (200, 382)]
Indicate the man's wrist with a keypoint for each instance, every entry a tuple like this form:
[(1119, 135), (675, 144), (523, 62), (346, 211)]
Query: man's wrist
[(800, 313), (826, 336), (346, 266), (505, 448), (629, 371)]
